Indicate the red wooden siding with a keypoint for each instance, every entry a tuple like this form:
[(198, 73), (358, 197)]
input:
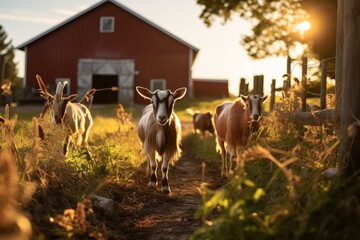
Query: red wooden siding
[(210, 88), (156, 54)]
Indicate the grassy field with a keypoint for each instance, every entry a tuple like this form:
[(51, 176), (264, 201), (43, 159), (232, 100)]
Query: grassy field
[(281, 193)]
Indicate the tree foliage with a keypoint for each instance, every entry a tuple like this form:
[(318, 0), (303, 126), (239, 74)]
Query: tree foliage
[(8, 68), (275, 30), (323, 17)]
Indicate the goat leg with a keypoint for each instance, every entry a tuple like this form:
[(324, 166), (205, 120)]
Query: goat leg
[(88, 153), (153, 169), (233, 159), (240, 160), (224, 167), (165, 172), (66, 144)]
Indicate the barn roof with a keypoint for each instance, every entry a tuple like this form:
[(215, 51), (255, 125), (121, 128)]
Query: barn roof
[(22, 46)]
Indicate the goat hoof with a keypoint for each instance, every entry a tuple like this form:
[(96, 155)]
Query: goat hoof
[(152, 184), (224, 174), (166, 189)]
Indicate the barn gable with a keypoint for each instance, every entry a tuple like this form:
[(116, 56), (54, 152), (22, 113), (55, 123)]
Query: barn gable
[(22, 46), (136, 52)]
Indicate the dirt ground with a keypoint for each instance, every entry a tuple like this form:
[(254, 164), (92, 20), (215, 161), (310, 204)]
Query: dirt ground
[(146, 213)]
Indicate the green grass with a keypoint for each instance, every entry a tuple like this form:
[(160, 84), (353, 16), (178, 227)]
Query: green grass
[(207, 151), (258, 202)]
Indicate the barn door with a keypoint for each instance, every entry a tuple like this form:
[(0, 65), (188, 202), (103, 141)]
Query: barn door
[(126, 84), (123, 69)]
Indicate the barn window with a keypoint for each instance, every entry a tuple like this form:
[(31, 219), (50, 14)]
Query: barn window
[(107, 24), (66, 91), (157, 84)]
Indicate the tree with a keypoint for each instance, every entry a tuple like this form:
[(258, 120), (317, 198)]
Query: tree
[(8, 70), (350, 87), (276, 28), (323, 17)]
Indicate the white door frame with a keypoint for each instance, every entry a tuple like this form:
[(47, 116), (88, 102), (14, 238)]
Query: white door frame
[(123, 68)]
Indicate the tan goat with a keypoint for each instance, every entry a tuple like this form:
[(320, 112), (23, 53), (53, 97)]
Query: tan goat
[(74, 116), (159, 130)]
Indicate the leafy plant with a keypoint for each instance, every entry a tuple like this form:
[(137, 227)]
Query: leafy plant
[(233, 212)]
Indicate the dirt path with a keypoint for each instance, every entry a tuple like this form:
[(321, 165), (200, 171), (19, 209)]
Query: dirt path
[(145, 213)]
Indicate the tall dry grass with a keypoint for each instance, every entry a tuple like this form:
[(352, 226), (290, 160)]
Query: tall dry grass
[(281, 193), (16, 182), (62, 206), (52, 191)]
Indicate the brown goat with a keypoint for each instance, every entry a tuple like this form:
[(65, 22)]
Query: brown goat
[(203, 122), (234, 121), (159, 130)]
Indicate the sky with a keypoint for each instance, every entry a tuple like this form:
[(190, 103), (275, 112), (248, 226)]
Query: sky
[(221, 55)]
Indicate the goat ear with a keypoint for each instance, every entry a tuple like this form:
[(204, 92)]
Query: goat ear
[(72, 97), (144, 92), (179, 93), (264, 98), (244, 98)]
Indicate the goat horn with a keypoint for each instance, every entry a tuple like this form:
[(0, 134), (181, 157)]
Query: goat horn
[(60, 89)]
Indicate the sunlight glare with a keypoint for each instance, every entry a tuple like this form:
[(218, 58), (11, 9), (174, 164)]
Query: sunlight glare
[(303, 27)]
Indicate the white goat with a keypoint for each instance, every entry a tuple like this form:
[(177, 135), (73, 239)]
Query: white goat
[(159, 130), (74, 116)]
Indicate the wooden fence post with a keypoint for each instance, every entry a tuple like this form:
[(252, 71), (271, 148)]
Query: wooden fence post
[(323, 85), (242, 89), (286, 87), (255, 84), (288, 69), (261, 85), (258, 85), (272, 97), (303, 81)]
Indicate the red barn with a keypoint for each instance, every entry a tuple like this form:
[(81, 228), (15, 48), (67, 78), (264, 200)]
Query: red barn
[(109, 45)]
